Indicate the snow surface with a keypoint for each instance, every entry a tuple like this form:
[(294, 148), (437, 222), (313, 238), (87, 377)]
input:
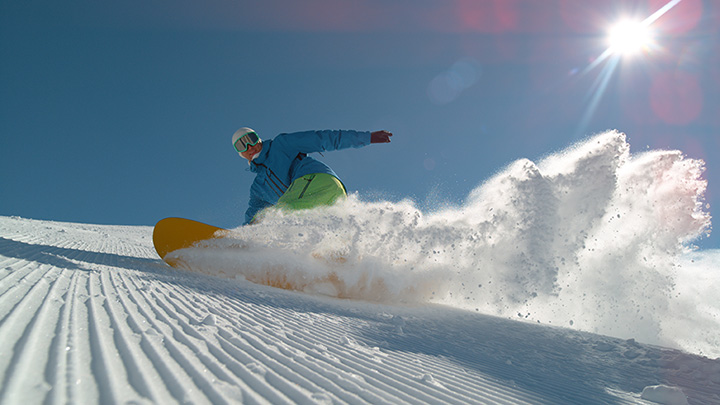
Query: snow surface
[(89, 314), (495, 301)]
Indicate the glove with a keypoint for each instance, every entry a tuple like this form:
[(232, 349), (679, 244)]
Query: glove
[(380, 137)]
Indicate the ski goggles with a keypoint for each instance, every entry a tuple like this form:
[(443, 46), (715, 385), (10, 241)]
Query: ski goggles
[(245, 141)]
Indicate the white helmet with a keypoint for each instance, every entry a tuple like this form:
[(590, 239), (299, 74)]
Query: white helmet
[(246, 137)]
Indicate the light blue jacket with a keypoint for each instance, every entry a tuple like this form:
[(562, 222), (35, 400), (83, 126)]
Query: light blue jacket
[(284, 160)]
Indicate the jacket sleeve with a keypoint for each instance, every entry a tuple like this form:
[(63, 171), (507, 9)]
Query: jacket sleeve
[(321, 141), (256, 205)]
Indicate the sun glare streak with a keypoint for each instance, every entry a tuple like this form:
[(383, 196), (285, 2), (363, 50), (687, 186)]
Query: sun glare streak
[(597, 90), (664, 9), (598, 61)]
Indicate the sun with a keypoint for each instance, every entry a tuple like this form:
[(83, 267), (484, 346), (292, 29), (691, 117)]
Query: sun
[(629, 37)]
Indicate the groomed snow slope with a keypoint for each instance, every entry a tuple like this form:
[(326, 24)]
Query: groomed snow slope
[(89, 314)]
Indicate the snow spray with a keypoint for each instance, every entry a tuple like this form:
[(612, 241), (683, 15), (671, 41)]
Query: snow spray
[(591, 238)]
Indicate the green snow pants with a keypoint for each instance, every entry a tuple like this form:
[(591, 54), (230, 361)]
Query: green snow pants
[(312, 190)]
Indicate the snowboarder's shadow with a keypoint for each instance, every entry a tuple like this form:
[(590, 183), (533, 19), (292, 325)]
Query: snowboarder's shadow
[(67, 258)]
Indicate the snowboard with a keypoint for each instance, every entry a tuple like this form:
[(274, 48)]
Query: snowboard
[(171, 234)]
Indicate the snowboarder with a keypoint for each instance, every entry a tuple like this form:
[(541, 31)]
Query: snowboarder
[(286, 177)]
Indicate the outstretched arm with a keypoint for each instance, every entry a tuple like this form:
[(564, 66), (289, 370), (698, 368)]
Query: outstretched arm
[(321, 141)]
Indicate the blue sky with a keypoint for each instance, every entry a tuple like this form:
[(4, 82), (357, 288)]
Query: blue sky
[(122, 112)]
